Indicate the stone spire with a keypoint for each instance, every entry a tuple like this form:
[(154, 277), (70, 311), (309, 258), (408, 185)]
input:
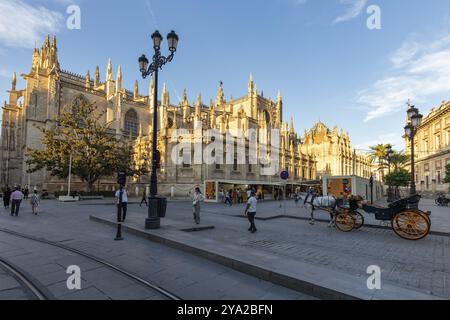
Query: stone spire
[(250, 85), (136, 89), (88, 80), (109, 70), (54, 42), (291, 129), (184, 100), (279, 108), (119, 79), (220, 96), (47, 41), (198, 107), (165, 96), (212, 114), (185, 105), (14, 82), (97, 77)]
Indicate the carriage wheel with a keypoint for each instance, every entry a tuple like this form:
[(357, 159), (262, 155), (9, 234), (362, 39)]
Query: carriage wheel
[(422, 214), (359, 220), (411, 225), (345, 222)]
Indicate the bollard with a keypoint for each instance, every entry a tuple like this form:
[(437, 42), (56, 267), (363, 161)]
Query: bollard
[(119, 224), (119, 232)]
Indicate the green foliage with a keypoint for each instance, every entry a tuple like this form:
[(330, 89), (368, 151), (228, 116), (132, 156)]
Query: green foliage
[(399, 160), (447, 174), (96, 152), (399, 178)]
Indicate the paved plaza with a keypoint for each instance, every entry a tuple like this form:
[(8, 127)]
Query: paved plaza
[(182, 274), (189, 260)]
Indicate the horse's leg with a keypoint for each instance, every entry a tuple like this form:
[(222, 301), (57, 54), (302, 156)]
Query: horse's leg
[(332, 219)]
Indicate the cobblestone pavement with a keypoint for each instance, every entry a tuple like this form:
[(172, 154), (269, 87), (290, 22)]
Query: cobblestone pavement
[(184, 275), (423, 264)]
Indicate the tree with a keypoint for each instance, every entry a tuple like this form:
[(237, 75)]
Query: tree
[(447, 174), (398, 178), (95, 151), (399, 160), (378, 155)]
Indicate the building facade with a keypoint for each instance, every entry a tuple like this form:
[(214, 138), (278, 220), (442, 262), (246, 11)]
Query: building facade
[(432, 150), (49, 89), (334, 153)]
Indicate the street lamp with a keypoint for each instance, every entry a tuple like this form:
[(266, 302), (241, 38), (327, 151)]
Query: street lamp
[(156, 208), (410, 130)]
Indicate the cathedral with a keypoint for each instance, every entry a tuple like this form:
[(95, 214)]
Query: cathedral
[(334, 154), (49, 89)]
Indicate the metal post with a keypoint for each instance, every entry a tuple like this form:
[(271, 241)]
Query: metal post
[(119, 221), (153, 221), (413, 175), (70, 175), (371, 190)]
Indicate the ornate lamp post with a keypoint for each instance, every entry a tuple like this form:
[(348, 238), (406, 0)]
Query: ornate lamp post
[(410, 130), (156, 207)]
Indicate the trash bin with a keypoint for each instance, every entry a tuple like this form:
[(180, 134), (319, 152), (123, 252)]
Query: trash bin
[(162, 207)]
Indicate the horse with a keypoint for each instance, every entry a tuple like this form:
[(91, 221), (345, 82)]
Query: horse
[(326, 203)]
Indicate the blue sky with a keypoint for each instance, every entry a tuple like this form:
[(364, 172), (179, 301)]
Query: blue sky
[(328, 65)]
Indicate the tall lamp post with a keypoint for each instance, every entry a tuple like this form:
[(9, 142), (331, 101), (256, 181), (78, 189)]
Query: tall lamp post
[(156, 208), (415, 119)]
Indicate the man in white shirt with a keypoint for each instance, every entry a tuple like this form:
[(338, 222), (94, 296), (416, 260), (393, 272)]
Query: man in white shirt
[(122, 204), (197, 198), (16, 200), (250, 211)]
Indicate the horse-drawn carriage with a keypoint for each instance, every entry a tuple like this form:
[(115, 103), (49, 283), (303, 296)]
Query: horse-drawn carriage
[(406, 220)]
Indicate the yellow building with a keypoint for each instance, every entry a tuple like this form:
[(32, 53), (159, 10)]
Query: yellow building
[(334, 153), (432, 150)]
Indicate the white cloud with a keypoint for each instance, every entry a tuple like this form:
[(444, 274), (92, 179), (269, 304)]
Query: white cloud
[(21, 24), (355, 8), (417, 74)]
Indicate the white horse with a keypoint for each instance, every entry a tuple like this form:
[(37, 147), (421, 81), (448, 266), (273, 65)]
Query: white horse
[(326, 203)]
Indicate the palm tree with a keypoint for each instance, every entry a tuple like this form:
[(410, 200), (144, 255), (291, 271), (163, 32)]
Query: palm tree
[(378, 155), (399, 160)]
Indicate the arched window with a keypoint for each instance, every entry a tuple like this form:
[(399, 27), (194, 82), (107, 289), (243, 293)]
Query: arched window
[(131, 124)]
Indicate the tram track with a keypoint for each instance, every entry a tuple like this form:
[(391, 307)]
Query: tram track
[(29, 284), (24, 280)]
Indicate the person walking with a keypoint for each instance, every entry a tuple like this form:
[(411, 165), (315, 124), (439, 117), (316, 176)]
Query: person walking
[(228, 198), (26, 192), (122, 203), (250, 212), (197, 198), (144, 198), (34, 201), (16, 200), (7, 197)]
